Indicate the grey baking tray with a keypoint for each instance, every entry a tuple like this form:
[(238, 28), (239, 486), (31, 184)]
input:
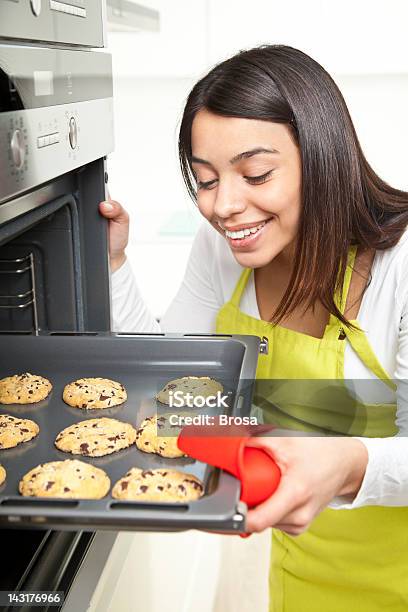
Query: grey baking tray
[(143, 363)]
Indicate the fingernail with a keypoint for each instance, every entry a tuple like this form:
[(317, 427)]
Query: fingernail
[(108, 206)]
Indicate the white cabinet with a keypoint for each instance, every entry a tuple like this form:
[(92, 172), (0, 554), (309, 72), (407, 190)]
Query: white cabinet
[(177, 50), (348, 37)]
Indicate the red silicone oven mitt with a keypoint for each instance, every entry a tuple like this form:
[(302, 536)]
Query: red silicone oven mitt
[(224, 446)]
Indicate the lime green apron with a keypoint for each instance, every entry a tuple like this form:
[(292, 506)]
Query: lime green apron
[(348, 560)]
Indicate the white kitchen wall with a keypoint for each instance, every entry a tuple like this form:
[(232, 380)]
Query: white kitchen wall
[(348, 37), (144, 177)]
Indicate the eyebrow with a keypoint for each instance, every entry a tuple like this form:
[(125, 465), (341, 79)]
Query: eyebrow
[(236, 158)]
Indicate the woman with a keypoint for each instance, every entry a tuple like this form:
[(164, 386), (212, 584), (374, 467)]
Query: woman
[(310, 251)]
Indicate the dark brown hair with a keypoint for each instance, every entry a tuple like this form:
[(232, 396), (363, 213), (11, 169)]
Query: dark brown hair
[(344, 201)]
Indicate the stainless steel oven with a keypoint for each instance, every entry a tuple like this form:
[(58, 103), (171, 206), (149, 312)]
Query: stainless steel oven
[(55, 22), (56, 128)]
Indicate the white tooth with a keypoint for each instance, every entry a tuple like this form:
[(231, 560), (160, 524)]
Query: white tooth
[(245, 232)]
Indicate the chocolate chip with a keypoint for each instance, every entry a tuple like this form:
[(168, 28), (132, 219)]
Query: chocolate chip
[(144, 488), (83, 405), (124, 484), (195, 485), (146, 472), (66, 489), (160, 488), (171, 386), (102, 398), (49, 484), (181, 487), (84, 448)]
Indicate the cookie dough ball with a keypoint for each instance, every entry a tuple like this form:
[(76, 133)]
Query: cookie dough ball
[(24, 389), (96, 437), (158, 485), (2, 474), (202, 386), (14, 431), (71, 478), (91, 393), (149, 440)]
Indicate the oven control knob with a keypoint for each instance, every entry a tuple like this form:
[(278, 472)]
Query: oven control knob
[(73, 133), (17, 148), (36, 7)]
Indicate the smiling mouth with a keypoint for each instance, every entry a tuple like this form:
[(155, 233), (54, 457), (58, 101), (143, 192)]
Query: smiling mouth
[(243, 233)]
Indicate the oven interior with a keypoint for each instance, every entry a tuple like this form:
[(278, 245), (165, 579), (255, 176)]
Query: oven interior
[(54, 276)]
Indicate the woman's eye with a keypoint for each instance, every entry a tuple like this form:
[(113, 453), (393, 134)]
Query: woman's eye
[(206, 184), (258, 180)]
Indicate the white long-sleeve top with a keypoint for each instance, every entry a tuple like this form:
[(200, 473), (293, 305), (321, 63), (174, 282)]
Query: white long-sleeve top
[(210, 277)]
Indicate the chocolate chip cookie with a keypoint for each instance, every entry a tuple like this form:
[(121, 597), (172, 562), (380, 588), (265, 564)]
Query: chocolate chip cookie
[(202, 386), (71, 478), (94, 393), (149, 439), (158, 485), (24, 389), (96, 437), (14, 431), (2, 474)]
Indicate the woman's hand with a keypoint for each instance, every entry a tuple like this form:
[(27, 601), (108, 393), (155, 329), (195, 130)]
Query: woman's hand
[(314, 470), (118, 231)]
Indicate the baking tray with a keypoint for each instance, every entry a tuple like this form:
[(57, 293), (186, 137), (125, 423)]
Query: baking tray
[(143, 363)]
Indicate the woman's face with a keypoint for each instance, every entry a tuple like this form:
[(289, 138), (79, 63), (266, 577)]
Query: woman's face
[(248, 172)]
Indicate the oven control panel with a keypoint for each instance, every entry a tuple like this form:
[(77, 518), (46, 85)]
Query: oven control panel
[(38, 145), (72, 22), (56, 114)]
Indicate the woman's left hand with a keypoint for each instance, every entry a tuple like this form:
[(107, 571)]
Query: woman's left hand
[(313, 471)]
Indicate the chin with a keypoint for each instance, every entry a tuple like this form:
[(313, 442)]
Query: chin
[(253, 260)]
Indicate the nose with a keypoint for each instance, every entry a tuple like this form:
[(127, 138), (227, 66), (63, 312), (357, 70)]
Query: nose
[(229, 200)]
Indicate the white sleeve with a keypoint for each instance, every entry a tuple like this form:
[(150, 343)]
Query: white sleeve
[(196, 304), (129, 311), (194, 308), (385, 482)]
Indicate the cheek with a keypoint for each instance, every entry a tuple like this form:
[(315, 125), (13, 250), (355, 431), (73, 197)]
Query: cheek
[(284, 201), (205, 203)]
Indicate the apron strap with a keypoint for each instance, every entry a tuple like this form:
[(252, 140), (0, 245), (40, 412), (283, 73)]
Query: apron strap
[(357, 337), (240, 286), (342, 299), (361, 345)]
